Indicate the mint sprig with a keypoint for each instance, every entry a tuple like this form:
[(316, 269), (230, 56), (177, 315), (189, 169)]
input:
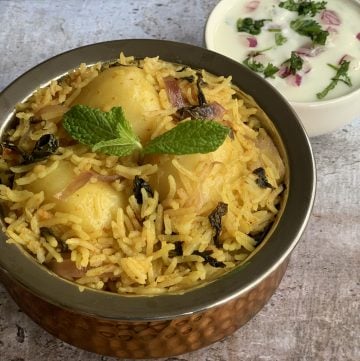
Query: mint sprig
[(107, 132), (111, 133), (192, 136)]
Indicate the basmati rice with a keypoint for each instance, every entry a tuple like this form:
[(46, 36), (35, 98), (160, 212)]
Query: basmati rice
[(133, 250)]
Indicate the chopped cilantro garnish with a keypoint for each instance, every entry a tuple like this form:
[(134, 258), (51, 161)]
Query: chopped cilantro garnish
[(341, 75), (310, 28), (303, 7), (280, 39), (294, 63), (254, 65), (249, 25), (269, 70)]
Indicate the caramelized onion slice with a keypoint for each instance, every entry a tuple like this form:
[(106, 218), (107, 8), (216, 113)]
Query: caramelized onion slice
[(50, 112), (173, 92), (207, 111), (66, 269), (81, 180)]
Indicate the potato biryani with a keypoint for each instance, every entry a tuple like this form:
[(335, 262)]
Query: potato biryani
[(139, 176)]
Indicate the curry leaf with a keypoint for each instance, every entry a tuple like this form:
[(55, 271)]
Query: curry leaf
[(215, 221), (138, 185), (209, 259), (44, 147)]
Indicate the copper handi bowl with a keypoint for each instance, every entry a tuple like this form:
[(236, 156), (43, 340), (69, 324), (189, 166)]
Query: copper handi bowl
[(165, 325)]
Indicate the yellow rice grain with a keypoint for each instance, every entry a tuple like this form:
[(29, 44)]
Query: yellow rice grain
[(135, 248)]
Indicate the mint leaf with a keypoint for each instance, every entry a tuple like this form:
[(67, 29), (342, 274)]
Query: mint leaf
[(103, 131), (280, 39), (90, 126), (341, 75), (110, 133), (310, 28), (118, 146), (189, 137)]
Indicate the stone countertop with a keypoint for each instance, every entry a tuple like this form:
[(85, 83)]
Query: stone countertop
[(315, 313)]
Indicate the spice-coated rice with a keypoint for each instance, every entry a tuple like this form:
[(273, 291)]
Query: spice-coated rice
[(112, 242)]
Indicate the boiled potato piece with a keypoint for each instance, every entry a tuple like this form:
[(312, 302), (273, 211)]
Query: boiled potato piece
[(54, 182), (208, 189), (159, 180), (125, 86), (95, 203)]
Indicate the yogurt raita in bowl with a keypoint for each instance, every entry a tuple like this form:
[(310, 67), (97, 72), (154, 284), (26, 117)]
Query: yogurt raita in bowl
[(308, 50)]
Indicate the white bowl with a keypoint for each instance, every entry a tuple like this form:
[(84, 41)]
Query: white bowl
[(326, 116), (317, 117)]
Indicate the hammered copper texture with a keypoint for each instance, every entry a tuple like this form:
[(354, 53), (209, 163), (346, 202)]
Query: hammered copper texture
[(145, 339)]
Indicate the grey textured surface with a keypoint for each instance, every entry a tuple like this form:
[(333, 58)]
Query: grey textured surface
[(315, 314)]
